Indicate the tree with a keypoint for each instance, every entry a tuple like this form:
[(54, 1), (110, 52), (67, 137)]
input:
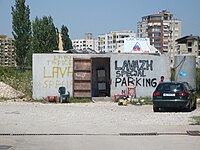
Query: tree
[(67, 43), (21, 25), (44, 35)]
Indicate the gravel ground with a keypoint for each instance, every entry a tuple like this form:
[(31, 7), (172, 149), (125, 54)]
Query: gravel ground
[(100, 117), (8, 92)]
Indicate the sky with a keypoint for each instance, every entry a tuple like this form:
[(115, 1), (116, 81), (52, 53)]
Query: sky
[(103, 16)]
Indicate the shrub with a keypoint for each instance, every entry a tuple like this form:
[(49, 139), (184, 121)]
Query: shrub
[(196, 119), (18, 78)]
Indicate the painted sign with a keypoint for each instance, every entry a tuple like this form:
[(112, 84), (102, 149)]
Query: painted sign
[(51, 71), (142, 71), (137, 45), (134, 72)]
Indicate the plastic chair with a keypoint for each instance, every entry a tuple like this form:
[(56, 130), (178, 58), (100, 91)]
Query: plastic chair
[(63, 95)]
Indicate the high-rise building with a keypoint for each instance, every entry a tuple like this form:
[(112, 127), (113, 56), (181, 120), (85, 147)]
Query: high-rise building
[(162, 29), (111, 41), (189, 45), (87, 43), (7, 52)]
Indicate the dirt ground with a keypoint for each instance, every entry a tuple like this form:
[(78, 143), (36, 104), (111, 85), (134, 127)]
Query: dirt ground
[(90, 118)]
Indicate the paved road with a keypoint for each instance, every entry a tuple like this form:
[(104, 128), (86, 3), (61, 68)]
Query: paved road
[(93, 126), (101, 142)]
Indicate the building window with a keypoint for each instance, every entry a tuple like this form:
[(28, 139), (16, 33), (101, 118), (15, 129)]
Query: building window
[(157, 45), (156, 29), (189, 50), (166, 26), (189, 44), (155, 18), (157, 34), (165, 47), (156, 40)]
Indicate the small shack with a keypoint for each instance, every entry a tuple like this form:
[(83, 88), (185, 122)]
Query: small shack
[(98, 75)]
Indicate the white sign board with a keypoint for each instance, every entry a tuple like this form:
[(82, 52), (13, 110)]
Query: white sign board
[(51, 71), (137, 45)]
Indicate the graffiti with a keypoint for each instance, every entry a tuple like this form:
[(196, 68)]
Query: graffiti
[(145, 82), (133, 68), (60, 60), (80, 74), (55, 72), (134, 73), (58, 71), (56, 84)]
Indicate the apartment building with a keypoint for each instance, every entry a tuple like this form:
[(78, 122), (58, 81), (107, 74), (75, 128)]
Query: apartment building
[(109, 42), (189, 45), (162, 29), (87, 43), (7, 52)]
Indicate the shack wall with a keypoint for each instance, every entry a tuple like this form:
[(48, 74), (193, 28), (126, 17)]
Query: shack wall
[(51, 71), (142, 70)]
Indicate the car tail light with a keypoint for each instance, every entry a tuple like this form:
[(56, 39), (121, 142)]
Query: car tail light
[(157, 93), (182, 93)]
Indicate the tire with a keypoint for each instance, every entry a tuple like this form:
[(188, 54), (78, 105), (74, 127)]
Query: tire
[(156, 109)]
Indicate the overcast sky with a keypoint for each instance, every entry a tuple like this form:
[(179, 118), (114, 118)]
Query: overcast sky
[(102, 16)]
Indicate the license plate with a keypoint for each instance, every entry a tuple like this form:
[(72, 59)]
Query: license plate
[(169, 94)]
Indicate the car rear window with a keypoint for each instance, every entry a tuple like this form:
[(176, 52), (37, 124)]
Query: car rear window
[(171, 87)]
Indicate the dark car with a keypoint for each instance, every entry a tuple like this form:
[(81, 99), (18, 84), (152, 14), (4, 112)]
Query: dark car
[(174, 95)]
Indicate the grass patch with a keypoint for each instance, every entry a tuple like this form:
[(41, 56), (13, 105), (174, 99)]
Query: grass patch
[(80, 100), (197, 120), (3, 99), (38, 100), (146, 100), (71, 100)]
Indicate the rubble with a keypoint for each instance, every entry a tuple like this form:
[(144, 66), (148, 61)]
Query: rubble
[(7, 92)]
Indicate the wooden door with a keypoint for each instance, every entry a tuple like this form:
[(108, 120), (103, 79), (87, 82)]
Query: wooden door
[(82, 77)]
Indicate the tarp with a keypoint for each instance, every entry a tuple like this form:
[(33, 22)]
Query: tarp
[(137, 45)]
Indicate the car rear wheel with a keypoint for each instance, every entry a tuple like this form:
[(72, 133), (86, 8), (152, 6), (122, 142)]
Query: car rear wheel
[(156, 109)]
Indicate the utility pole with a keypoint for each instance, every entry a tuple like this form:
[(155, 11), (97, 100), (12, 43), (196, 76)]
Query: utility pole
[(170, 47)]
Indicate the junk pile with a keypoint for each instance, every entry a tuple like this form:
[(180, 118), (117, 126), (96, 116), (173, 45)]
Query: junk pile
[(7, 92), (123, 100)]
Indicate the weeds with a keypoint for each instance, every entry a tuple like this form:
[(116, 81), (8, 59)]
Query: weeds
[(80, 100), (146, 100), (197, 120), (20, 80)]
